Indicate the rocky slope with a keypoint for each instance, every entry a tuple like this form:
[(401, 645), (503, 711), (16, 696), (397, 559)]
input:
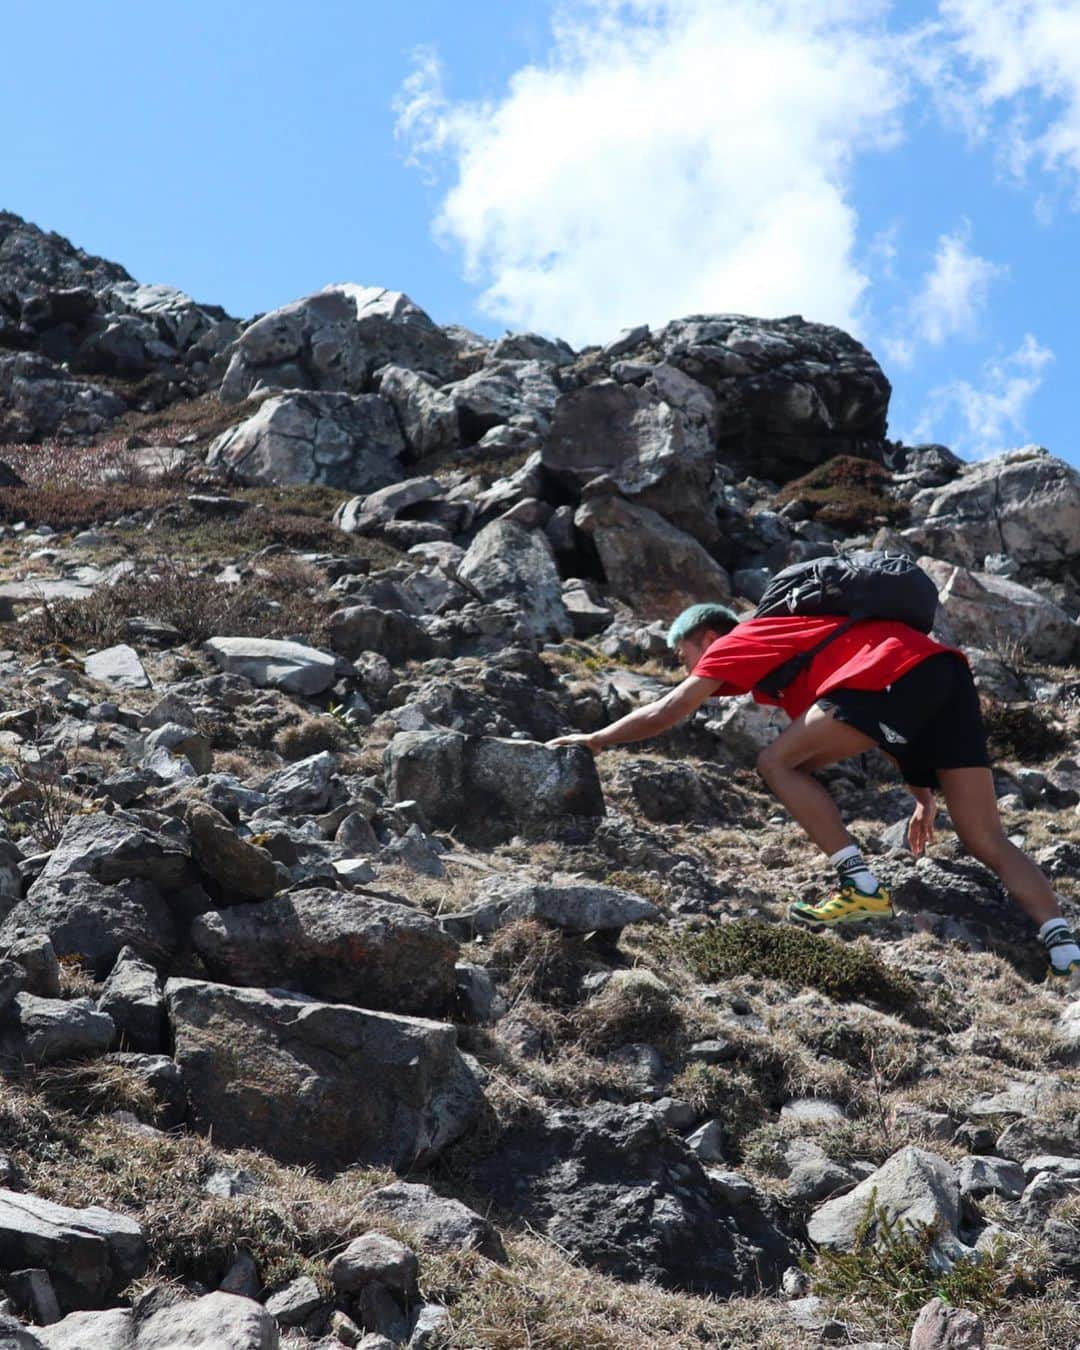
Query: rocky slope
[(334, 1007)]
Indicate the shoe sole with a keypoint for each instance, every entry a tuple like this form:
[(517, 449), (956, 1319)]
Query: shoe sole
[(863, 916)]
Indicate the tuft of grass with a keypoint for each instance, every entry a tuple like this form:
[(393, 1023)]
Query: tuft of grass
[(532, 961), (845, 971), (310, 737), (728, 1093), (633, 1007)]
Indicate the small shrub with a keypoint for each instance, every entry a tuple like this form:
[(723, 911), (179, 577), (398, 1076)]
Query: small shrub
[(845, 971), (731, 1094), (530, 960), (1020, 731), (891, 1270), (311, 737), (846, 493)]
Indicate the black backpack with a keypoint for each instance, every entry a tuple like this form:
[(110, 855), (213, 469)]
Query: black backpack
[(865, 584)]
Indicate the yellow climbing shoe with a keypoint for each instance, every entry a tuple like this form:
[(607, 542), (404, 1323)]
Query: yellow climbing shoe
[(848, 905)]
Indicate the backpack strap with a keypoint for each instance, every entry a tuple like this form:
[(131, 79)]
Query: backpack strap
[(787, 672)]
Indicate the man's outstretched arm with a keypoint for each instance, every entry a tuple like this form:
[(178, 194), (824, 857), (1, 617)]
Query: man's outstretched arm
[(644, 723)]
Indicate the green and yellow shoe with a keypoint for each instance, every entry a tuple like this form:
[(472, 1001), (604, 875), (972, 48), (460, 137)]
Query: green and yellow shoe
[(848, 905)]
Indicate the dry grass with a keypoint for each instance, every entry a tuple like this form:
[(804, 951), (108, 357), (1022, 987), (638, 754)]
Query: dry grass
[(310, 736)]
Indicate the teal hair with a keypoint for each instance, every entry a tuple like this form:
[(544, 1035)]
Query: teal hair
[(719, 617)]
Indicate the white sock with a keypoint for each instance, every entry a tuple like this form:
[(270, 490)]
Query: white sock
[(850, 866), (1056, 936)]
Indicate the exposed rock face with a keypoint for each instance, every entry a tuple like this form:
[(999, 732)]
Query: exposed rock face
[(354, 948), (33, 262), (648, 560), (518, 391), (428, 418), (330, 438), (114, 848), (435, 1221), (1025, 504), (90, 1253), (279, 1072), (650, 451), (477, 783), (334, 340), (38, 398), (599, 1182)]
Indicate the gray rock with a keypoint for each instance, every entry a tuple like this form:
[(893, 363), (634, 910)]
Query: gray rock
[(508, 562), (374, 510), (1025, 504), (376, 1257), (428, 417), (119, 666), (575, 908), (37, 956), (13, 979), (394, 634), (33, 1290), (501, 390), (659, 455), (39, 398), (133, 998), (110, 1329), (913, 1187), (481, 784), (174, 739), (41, 1030), (992, 1176), (433, 1221), (647, 561), (268, 663), (331, 438), (114, 848), (291, 1306), (614, 1187), (940, 1327), (431, 1327), (532, 347), (976, 609), (708, 1142), (86, 919), (278, 1071), (90, 1254), (162, 1076), (587, 616), (334, 340), (333, 945), (1067, 1168), (478, 998), (303, 786)]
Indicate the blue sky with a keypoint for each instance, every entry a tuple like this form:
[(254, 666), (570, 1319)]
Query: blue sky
[(909, 171)]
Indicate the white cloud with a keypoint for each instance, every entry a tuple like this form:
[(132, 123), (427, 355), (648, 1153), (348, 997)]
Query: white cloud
[(992, 412), (954, 292), (1021, 58), (671, 157)]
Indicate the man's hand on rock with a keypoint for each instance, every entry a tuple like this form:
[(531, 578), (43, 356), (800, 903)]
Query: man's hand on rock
[(586, 739), (921, 825)]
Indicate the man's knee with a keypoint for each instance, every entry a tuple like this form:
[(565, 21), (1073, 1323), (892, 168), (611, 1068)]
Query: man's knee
[(988, 846), (769, 760)]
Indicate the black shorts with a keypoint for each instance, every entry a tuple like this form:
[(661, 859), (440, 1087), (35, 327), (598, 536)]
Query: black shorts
[(928, 720)]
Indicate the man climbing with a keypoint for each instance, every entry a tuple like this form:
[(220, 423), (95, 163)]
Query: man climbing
[(878, 683)]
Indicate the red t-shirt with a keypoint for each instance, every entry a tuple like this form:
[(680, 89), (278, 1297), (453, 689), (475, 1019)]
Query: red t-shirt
[(871, 655)]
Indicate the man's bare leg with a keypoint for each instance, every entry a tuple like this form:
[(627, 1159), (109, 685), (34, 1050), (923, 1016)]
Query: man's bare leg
[(813, 741), (969, 795)]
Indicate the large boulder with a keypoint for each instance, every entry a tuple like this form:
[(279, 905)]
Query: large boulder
[(482, 784), (41, 1030), (506, 561), (620, 1192), (977, 609), (92, 921), (373, 628), (789, 393), (437, 1222), (291, 666), (90, 1254), (652, 452), (177, 318), (235, 868), (125, 346), (332, 438), (133, 998), (647, 561), (334, 340), (1025, 504), (336, 946), (38, 399), (318, 1084)]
